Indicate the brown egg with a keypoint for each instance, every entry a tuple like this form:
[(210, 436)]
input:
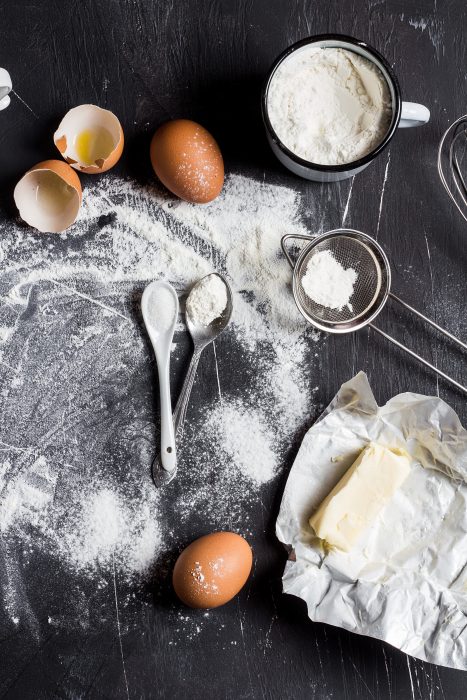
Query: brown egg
[(48, 196), (212, 570), (188, 161)]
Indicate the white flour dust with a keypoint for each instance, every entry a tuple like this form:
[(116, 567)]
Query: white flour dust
[(246, 441), (79, 417)]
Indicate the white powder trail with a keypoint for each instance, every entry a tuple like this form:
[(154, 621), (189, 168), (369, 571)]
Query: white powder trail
[(119, 630), (419, 23), (386, 170), (5, 364), (246, 440), (347, 204), (88, 298), (13, 92), (7, 448), (217, 371)]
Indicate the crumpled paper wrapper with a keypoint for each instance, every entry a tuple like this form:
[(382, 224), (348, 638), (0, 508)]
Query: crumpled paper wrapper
[(405, 581)]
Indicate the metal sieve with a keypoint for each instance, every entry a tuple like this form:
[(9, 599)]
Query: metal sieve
[(356, 250)]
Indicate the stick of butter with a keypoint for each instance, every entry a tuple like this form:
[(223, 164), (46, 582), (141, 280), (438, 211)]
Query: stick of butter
[(360, 495)]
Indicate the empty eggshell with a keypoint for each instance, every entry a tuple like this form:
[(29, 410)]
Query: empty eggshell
[(187, 160), (90, 139), (212, 570), (48, 196)]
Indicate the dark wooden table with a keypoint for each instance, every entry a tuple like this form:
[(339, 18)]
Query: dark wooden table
[(149, 61)]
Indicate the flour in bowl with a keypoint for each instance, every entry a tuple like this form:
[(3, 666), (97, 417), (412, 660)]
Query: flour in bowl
[(329, 106)]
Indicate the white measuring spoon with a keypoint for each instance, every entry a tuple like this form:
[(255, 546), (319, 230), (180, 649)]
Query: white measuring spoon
[(201, 336), (159, 305)]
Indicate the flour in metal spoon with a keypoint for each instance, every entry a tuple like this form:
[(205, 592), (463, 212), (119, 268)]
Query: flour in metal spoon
[(207, 300)]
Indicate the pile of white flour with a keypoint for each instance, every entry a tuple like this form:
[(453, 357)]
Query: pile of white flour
[(78, 379)]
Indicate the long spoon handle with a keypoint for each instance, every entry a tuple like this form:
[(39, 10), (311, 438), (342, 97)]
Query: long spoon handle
[(168, 454), (184, 398), (160, 474)]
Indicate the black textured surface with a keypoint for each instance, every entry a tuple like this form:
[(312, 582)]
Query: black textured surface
[(149, 61)]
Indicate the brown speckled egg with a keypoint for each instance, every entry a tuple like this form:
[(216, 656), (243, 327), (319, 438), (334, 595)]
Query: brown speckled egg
[(212, 570), (188, 161)]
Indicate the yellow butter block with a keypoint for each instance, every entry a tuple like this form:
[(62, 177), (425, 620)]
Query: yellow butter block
[(360, 495)]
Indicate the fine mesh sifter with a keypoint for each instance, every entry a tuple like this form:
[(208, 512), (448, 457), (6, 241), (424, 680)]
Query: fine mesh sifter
[(357, 250)]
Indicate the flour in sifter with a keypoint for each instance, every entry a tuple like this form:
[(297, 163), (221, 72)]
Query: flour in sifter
[(327, 282)]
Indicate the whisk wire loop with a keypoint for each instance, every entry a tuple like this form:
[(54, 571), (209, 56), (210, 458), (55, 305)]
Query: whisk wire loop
[(453, 137)]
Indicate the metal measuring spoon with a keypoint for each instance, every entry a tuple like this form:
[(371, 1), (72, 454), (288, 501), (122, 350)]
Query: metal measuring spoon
[(161, 330), (201, 336)]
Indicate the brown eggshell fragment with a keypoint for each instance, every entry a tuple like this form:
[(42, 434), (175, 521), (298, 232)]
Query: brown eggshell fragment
[(49, 196), (103, 139), (212, 570), (188, 161)]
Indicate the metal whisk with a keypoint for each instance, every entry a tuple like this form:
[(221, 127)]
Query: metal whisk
[(356, 250), (452, 153)]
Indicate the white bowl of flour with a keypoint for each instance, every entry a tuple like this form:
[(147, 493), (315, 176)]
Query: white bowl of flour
[(330, 105)]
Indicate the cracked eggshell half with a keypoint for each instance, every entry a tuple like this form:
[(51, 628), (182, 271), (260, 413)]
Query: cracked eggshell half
[(90, 139), (48, 196)]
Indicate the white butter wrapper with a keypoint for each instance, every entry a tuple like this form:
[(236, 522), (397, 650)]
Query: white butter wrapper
[(405, 581)]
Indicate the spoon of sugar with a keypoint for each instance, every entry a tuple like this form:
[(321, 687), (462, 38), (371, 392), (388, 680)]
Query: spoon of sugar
[(208, 311), (159, 305)]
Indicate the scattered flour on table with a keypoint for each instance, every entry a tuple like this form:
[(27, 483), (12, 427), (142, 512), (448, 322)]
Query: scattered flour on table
[(246, 440), (78, 379), (109, 528)]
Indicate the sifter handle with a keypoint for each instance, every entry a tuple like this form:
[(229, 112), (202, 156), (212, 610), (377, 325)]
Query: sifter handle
[(413, 354), (286, 238)]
